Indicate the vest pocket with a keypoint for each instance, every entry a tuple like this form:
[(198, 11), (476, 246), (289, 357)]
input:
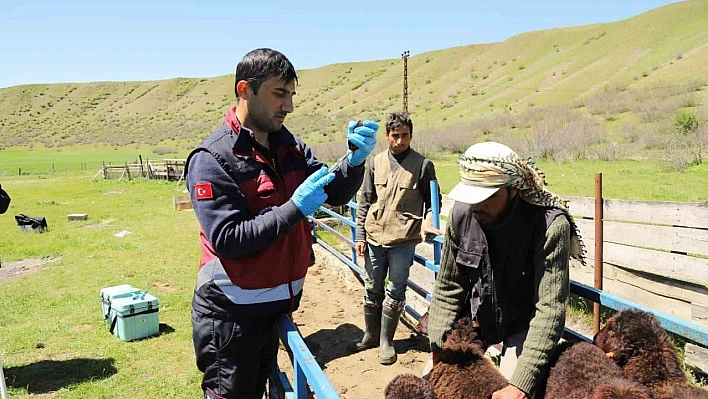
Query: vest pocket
[(409, 193), (412, 208), (468, 259), (266, 190), (380, 180), (260, 193)]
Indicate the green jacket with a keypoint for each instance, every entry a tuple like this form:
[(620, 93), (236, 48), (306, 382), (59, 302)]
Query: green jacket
[(550, 259)]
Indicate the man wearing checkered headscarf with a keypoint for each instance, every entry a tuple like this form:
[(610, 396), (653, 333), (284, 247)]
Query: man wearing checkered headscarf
[(505, 262)]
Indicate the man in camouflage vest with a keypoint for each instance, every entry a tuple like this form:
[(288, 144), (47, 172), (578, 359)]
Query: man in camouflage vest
[(393, 217)]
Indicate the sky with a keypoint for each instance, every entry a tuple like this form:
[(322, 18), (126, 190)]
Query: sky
[(84, 41)]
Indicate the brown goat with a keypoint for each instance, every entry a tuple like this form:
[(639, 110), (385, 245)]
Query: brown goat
[(637, 343), (409, 386), (462, 370), (584, 372)]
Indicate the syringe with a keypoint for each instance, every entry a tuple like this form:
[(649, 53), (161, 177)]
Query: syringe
[(352, 148)]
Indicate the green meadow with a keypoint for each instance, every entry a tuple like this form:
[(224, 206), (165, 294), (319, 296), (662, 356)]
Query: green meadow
[(54, 341), (40, 160)]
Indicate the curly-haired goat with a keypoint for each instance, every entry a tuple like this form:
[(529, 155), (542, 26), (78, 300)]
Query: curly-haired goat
[(637, 343), (462, 370), (409, 386), (584, 372)]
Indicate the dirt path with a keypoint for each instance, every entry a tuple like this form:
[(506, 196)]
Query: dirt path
[(331, 315), (12, 270)]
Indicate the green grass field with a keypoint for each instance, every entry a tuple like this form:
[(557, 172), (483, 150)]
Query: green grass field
[(51, 323), (53, 336), (74, 158)]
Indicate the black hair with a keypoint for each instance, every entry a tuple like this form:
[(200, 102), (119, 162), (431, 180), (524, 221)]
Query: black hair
[(398, 119), (261, 64)]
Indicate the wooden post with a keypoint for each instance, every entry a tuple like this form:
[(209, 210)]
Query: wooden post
[(598, 248), (149, 168)]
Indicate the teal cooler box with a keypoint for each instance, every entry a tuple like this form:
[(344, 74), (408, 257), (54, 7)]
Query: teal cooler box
[(132, 314), (111, 293)]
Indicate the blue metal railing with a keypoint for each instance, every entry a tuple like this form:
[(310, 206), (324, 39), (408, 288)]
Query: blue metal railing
[(306, 371), (670, 323)]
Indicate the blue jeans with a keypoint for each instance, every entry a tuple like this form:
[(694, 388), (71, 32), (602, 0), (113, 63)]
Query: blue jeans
[(381, 261)]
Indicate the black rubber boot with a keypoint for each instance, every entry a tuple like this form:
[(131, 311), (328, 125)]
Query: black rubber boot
[(372, 318), (389, 323)]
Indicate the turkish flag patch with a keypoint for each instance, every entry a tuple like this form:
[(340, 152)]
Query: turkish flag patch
[(203, 191)]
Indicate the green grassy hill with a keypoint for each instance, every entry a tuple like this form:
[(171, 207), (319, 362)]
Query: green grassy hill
[(659, 57)]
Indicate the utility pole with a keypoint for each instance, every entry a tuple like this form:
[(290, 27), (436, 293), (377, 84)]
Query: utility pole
[(405, 56)]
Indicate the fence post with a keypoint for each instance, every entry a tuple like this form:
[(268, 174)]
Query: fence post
[(435, 202), (598, 248), (300, 381)]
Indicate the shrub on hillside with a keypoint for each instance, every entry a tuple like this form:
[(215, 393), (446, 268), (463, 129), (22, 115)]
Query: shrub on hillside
[(561, 136), (164, 150), (685, 122)]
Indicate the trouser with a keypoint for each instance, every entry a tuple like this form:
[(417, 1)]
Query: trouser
[(510, 351), (235, 354), (394, 262)]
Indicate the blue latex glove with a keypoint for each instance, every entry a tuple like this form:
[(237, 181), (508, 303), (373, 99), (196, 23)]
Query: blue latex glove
[(310, 195), (363, 137)]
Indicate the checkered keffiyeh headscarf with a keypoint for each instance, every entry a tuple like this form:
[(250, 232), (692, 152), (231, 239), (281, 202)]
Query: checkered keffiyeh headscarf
[(521, 174)]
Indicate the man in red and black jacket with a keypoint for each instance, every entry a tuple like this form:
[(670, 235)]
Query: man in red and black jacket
[(252, 184)]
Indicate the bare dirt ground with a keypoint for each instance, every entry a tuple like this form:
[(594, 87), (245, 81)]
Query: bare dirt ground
[(330, 316), (15, 269)]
